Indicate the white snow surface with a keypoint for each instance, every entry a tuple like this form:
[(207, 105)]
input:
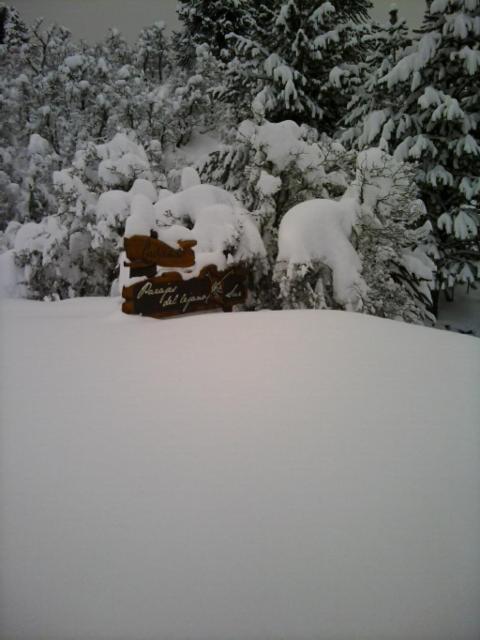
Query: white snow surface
[(236, 476)]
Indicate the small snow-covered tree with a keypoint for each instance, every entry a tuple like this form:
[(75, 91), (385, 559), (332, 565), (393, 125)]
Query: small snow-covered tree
[(366, 252), (393, 240)]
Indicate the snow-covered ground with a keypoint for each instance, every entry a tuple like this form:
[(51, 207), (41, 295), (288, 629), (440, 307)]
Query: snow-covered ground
[(291, 475)]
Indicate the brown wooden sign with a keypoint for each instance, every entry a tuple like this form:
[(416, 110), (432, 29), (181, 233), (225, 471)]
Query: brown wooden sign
[(143, 252), (170, 294)]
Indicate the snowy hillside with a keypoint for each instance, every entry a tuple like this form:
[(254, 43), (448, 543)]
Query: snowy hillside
[(236, 476)]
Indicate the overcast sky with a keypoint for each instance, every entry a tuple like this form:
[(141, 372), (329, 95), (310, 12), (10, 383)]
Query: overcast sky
[(90, 19)]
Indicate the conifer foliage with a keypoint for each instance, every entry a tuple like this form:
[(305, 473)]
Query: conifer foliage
[(283, 72), (428, 113), (209, 22), (370, 104)]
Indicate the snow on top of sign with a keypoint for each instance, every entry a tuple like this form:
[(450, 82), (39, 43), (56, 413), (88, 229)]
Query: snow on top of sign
[(224, 231), (141, 220), (146, 188)]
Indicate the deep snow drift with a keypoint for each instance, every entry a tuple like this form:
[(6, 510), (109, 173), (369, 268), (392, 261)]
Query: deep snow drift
[(240, 476)]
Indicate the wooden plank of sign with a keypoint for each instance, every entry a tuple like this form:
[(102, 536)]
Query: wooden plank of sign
[(170, 295), (148, 251), (138, 270)]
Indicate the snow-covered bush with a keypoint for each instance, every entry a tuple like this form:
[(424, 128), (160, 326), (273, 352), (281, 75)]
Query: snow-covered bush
[(317, 266), (393, 239), (270, 167), (368, 252), (75, 252), (26, 187)]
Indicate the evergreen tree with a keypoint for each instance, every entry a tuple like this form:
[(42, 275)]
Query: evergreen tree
[(432, 117), (284, 71), (371, 105), (209, 22)]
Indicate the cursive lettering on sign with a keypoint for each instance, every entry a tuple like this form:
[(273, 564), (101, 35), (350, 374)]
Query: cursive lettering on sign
[(186, 300), (170, 294), (234, 293)]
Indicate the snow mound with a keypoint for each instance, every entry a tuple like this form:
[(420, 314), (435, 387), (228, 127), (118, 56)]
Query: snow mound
[(146, 188), (141, 220), (250, 475), (319, 231)]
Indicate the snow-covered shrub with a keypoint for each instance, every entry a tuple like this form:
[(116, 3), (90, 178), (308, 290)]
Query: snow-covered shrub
[(270, 167), (393, 239), (26, 187), (75, 252), (367, 252), (317, 266)]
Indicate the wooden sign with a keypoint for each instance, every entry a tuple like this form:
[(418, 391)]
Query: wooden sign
[(143, 252), (170, 294)]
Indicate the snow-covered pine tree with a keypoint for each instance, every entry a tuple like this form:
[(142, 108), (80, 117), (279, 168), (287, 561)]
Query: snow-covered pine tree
[(370, 104), (14, 36), (209, 22), (284, 71), (433, 116)]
